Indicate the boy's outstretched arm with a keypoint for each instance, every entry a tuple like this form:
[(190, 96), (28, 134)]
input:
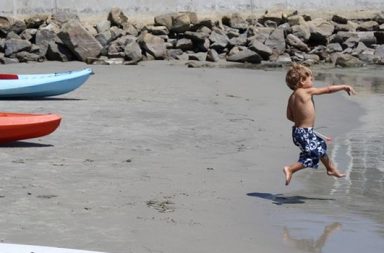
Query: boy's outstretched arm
[(349, 89), (332, 89)]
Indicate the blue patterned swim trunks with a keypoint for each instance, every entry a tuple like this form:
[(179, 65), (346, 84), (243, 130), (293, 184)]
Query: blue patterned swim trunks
[(312, 146)]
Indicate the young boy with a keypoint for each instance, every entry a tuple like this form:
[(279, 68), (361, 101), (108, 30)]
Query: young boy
[(301, 112)]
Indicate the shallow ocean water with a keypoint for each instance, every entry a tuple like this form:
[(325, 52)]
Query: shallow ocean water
[(361, 151)]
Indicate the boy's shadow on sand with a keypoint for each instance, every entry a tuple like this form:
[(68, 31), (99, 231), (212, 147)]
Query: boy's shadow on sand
[(280, 199)]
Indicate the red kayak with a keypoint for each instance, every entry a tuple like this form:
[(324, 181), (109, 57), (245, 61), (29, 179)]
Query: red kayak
[(21, 126)]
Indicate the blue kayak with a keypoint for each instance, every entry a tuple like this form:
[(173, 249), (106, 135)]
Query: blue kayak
[(41, 85), (21, 248)]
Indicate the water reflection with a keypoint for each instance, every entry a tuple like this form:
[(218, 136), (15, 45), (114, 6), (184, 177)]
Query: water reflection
[(365, 81), (362, 149), (310, 244), (364, 145)]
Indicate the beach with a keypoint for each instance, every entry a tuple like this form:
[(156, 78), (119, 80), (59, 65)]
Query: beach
[(158, 157)]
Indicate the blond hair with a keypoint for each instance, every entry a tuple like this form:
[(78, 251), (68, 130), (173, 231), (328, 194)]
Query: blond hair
[(297, 73)]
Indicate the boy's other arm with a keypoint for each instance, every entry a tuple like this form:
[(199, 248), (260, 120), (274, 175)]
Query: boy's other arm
[(332, 89)]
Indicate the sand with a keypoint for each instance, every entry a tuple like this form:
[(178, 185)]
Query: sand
[(159, 157)]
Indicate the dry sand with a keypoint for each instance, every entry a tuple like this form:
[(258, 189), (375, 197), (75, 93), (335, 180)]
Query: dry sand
[(158, 158)]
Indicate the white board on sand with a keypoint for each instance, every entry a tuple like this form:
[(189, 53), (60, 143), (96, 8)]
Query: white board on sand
[(21, 248)]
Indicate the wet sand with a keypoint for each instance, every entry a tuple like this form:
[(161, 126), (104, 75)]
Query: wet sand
[(163, 158)]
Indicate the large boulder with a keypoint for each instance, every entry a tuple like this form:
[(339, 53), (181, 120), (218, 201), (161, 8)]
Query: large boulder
[(301, 31), (198, 36), (368, 38), (79, 41), (368, 26), (259, 33), (103, 26), (117, 47), (277, 17), (28, 34), (7, 60), (184, 44), (58, 52), (219, 39), (181, 23), (117, 17), (296, 20), (157, 30), (36, 21), (320, 30), (240, 40), (213, 56), (339, 19), (13, 46), (24, 56), (243, 54), (348, 61), (61, 17), (164, 20), (379, 37), (104, 38), (297, 43), (177, 22), (235, 21), (379, 54), (264, 51), (43, 38), (365, 54), (133, 53), (9, 24), (107, 36), (153, 45), (276, 41)]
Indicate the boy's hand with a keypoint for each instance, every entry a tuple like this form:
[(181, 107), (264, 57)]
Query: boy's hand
[(350, 90)]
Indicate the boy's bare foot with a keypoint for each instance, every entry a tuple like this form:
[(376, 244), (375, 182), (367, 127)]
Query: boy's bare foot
[(335, 173), (288, 175)]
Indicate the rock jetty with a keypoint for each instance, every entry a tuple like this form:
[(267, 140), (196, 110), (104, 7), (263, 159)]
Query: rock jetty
[(272, 38)]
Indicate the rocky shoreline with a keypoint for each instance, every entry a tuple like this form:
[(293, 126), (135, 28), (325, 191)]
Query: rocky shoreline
[(275, 38)]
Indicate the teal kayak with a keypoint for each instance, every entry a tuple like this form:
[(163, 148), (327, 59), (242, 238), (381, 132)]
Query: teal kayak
[(41, 85), (21, 248)]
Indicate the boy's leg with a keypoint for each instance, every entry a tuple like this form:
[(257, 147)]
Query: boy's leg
[(331, 168), (289, 170)]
